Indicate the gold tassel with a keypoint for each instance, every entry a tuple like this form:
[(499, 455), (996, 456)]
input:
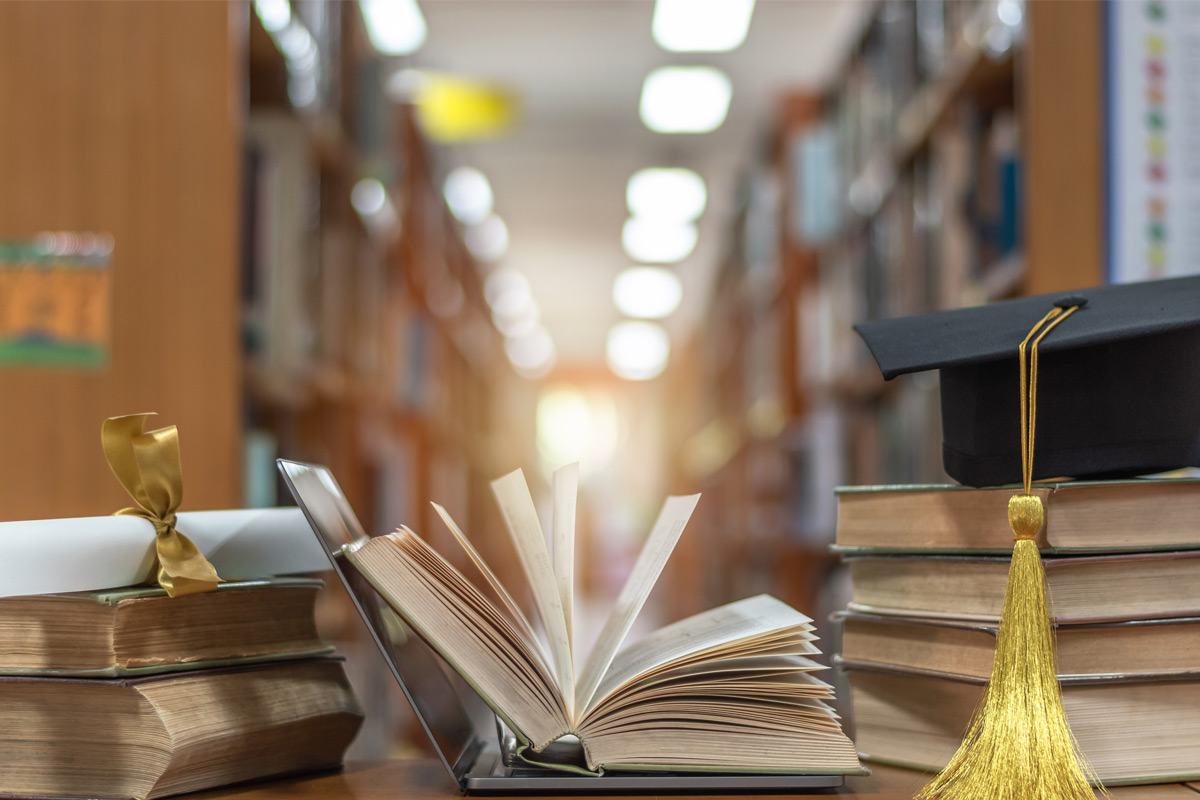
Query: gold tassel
[(1019, 745)]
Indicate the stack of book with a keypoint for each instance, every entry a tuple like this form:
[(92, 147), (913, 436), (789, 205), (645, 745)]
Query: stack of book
[(929, 567), (128, 693)]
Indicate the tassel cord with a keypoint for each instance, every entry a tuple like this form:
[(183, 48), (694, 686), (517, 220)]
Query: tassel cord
[(1019, 744)]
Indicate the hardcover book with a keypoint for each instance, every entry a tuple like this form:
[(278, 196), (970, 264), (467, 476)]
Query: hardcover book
[(167, 734), (1081, 517), (140, 630), (1131, 731)]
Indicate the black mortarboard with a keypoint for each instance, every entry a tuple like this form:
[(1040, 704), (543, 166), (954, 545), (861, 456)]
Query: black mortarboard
[(1119, 392)]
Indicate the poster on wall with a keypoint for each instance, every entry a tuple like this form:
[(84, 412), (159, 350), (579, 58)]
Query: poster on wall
[(55, 301), (1153, 88)]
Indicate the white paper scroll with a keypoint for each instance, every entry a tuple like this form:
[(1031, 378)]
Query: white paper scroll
[(92, 553)]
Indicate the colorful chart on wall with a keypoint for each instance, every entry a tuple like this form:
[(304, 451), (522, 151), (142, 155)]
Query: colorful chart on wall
[(55, 301), (1153, 88)]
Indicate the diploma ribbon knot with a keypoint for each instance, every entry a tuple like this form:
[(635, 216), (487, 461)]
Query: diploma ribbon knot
[(148, 465)]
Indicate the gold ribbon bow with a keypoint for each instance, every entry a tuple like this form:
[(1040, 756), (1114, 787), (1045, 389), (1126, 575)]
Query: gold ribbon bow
[(147, 464)]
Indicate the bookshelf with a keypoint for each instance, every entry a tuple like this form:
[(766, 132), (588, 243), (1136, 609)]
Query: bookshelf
[(956, 159), (367, 343)]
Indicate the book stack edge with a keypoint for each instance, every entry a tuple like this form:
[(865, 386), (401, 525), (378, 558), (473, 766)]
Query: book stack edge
[(1122, 572)]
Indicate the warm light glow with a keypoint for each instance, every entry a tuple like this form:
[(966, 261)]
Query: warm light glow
[(275, 15), (658, 242), (701, 26), (648, 292), (574, 426), (502, 280), (666, 193), (532, 355), (487, 241), (514, 311), (395, 27), (368, 197), (638, 351), (468, 194), (685, 99)]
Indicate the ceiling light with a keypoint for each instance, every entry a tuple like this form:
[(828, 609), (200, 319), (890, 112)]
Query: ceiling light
[(501, 280), (638, 351), (468, 194), (533, 354), (395, 27), (368, 197), (648, 292), (275, 15), (488, 241), (658, 241), (666, 193), (701, 26), (685, 99)]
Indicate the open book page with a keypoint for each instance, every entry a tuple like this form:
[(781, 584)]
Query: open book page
[(502, 594), (749, 622), (474, 636), (663, 536), (566, 490), (730, 689), (520, 517)]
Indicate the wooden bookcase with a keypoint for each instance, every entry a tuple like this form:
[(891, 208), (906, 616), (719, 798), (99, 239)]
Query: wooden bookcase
[(1023, 102), (123, 118)]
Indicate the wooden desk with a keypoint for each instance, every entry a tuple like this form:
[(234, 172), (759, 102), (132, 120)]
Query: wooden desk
[(426, 780)]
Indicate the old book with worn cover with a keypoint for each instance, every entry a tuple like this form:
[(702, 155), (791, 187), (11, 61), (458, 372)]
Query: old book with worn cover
[(1081, 517), (731, 689), (1082, 589), (140, 631), (167, 734), (1144, 730), (959, 647)]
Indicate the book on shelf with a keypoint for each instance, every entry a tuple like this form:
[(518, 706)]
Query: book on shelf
[(965, 648), (140, 630), (1079, 589), (167, 734), (730, 689), (1144, 730), (1081, 517)]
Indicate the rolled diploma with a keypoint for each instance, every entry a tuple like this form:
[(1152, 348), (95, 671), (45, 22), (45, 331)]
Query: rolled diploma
[(81, 554)]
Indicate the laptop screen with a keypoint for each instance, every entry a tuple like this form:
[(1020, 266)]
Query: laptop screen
[(453, 716)]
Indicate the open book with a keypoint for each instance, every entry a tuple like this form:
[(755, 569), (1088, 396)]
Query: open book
[(731, 689)]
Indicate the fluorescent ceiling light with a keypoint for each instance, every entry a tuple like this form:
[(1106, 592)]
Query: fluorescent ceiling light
[(648, 292), (395, 27), (533, 354), (685, 99), (638, 351), (668, 193), (701, 26), (468, 194), (488, 241), (657, 241), (368, 197), (275, 15), (502, 280)]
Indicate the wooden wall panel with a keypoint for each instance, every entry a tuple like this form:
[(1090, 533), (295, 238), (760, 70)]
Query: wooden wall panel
[(124, 117)]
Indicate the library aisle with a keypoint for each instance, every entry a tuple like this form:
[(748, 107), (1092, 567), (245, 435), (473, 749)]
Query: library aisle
[(428, 242)]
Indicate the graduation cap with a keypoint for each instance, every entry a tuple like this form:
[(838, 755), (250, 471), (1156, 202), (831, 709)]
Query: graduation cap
[(1102, 382), (1119, 392)]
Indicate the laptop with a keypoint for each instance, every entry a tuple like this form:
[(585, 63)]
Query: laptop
[(472, 745)]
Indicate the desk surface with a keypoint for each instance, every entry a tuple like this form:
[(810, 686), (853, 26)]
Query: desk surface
[(426, 780), (420, 779)]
